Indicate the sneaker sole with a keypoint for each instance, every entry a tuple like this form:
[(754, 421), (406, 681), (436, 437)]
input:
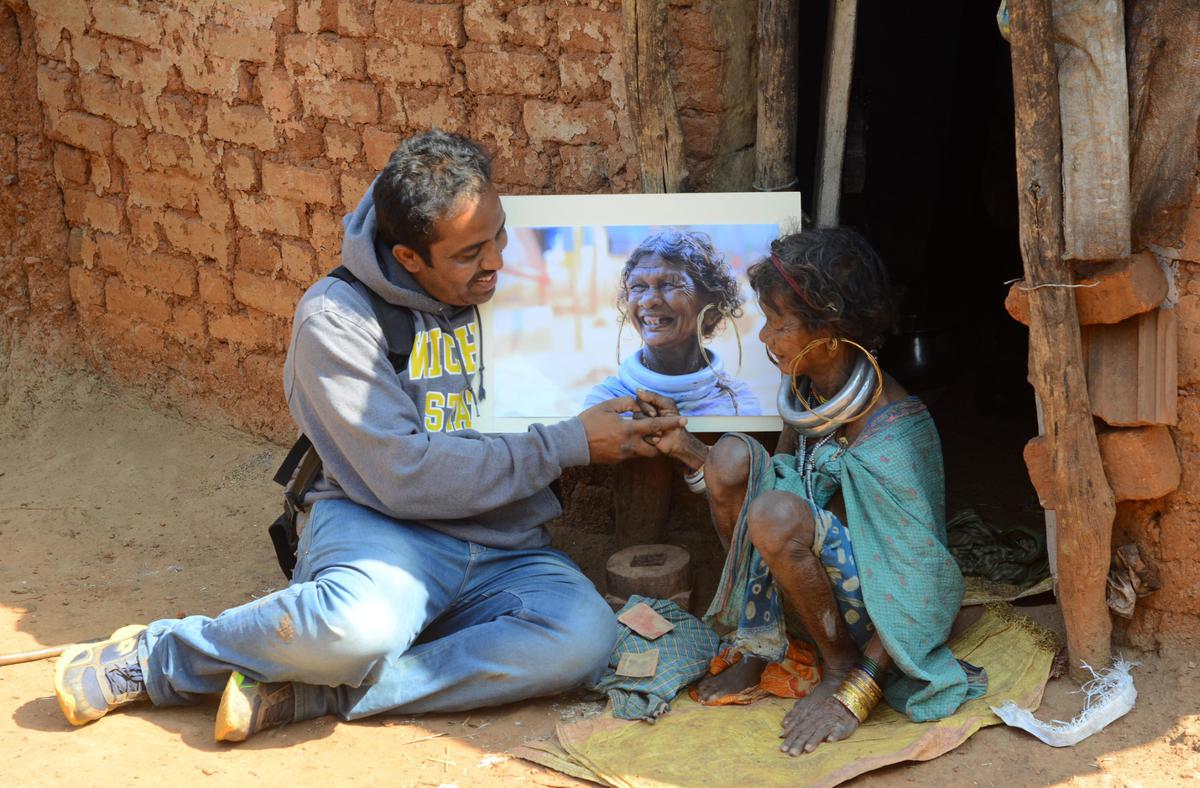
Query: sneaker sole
[(66, 699)]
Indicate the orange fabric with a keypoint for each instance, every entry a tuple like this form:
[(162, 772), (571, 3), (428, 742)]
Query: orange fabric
[(793, 677)]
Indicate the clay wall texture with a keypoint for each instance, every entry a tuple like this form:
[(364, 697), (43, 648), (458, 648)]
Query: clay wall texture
[(206, 150)]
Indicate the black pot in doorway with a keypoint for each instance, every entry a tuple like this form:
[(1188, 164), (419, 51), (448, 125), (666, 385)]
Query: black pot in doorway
[(920, 355)]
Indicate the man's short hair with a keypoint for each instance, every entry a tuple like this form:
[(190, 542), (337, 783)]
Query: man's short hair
[(424, 180)]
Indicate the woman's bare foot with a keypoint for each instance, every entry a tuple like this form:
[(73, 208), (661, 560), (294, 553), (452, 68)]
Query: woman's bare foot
[(738, 677), (831, 678)]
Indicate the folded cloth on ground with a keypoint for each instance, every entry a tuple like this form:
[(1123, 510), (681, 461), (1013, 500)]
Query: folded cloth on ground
[(684, 654), (1002, 555)]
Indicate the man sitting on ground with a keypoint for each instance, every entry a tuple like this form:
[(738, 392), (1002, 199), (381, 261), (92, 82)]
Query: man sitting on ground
[(424, 581)]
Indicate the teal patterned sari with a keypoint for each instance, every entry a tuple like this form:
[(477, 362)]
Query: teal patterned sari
[(893, 488)]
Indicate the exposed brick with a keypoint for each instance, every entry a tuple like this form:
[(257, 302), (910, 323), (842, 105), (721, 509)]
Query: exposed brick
[(302, 184), (86, 51), (262, 215), (354, 20), (273, 296), (342, 143), (189, 234), (579, 76), (510, 73), (1041, 471), (326, 54), (379, 145), (315, 16), (54, 87), (158, 271), (70, 14), (70, 165), (87, 287), (588, 29), (529, 26), (521, 166), (239, 169), (354, 186), (75, 245), (213, 206), (432, 108), (135, 65), (583, 169), (101, 95), (83, 131), (497, 118), (302, 141), (258, 254), (130, 147), (187, 324), (240, 43), (214, 288), (246, 331), (275, 87), (84, 207), (589, 121), (350, 102), (326, 235), (124, 299), (425, 23), (1140, 462), (112, 251), (143, 225), (408, 64), (180, 115), (162, 189), (299, 262), (244, 124), (1122, 288), (483, 21), (102, 176), (127, 21)]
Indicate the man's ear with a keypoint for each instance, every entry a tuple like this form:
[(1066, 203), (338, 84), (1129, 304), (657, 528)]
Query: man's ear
[(408, 257)]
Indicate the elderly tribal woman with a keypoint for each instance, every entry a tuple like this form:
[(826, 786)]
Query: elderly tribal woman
[(845, 523), (676, 289)]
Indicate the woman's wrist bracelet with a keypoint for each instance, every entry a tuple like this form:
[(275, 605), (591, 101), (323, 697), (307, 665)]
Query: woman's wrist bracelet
[(859, 693), (695, 480)]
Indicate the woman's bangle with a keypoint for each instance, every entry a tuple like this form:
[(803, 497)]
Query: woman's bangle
[(859, 693), (870, 667), (695, 480)]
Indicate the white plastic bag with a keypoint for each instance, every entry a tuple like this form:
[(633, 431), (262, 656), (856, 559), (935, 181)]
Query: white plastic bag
[(1110, 695)]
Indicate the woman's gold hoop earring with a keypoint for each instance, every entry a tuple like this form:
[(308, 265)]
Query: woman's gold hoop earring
[(620, 330), (832, 344), (725, 315)]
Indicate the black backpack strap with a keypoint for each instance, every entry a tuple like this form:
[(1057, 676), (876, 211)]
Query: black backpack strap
[(398, 324), (288, 466)]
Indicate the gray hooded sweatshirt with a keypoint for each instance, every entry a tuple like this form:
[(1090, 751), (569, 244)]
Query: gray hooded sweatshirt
[(401, 444)]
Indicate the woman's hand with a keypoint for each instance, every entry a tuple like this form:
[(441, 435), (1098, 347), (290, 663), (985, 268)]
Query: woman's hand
[(828, 720), (678, 443)]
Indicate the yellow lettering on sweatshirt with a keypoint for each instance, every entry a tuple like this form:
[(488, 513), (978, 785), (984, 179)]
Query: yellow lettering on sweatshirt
[(468, 345), (450, 356), (435, 414)]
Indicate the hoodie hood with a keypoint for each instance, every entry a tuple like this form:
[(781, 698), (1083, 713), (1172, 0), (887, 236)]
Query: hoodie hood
[(376, 266)]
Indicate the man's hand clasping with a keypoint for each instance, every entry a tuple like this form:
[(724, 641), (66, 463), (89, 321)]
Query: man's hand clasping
[(613, 438)]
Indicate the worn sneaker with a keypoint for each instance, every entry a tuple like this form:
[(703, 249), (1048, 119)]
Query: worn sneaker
[(92, 679), (249, 706)]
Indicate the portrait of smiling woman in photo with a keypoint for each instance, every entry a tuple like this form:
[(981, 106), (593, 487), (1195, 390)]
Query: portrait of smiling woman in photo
[(676, 290)]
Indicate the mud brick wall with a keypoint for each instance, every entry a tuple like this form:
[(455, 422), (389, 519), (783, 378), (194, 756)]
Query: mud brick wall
[(1169, 529), (196, 156)]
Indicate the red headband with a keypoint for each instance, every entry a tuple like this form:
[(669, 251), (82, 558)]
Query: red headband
[(787, 277)]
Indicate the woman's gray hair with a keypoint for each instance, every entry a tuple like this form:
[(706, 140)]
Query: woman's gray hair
[(694, 253)]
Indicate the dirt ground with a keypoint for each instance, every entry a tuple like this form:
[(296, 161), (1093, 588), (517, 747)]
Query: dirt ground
[(113, 513)]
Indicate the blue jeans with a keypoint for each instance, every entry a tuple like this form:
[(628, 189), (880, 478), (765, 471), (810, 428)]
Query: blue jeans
[(382, 616)]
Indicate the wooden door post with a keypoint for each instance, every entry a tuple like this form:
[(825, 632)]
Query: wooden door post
[(650, 99), (835, 109), (1085, 508), (778, 80)]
